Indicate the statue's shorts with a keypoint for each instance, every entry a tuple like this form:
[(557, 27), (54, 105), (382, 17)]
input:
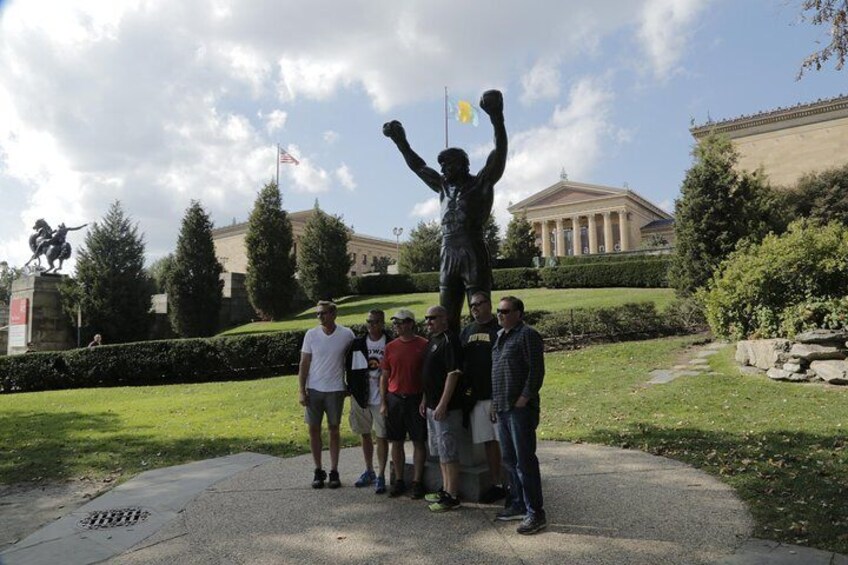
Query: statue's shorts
[(465, 264)]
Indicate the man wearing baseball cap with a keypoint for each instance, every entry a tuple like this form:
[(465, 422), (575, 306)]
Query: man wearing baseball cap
[(401, 394)]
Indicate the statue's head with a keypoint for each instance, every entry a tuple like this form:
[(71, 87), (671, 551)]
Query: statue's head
[(454, 163), (62, 226), (39, 223)]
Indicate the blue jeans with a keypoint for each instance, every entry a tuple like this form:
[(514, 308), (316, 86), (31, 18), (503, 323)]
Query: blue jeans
[(517, 434)]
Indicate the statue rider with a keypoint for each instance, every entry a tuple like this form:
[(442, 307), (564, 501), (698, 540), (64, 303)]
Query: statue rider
[(466, 203)]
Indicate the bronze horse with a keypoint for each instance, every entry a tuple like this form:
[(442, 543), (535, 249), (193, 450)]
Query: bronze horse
[(50, 243)]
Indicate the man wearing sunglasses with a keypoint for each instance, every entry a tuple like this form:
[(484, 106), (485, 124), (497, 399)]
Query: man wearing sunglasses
[(518, 369), (322, 387)]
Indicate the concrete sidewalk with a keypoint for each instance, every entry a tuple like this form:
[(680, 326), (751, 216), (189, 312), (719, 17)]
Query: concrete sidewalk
[(604, 505)]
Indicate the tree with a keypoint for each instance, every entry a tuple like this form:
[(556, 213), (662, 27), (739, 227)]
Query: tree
[(323, 260), (111, 286), (381, 264), (194, 282), (270, 264), (835, 14), (717, 208), (7, 275), (158, 272), (492, 236), (421, 254), (520, 241), (822, 196)]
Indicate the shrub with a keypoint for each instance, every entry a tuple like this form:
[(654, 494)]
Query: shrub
[(153, 363), (425, 282), (785, 284), (382, 284), (643, 273), (503, 279), (628, 321)]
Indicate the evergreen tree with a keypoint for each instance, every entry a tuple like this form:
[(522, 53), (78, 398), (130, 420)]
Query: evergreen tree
[(381, 264), (520, 242), (270, 264), (194, 280), (158, 272), (717, 208), (491, 233), (323, 260), (422, 253), (111, 285)]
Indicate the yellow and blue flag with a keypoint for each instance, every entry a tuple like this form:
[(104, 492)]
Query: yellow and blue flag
[(465, 112)]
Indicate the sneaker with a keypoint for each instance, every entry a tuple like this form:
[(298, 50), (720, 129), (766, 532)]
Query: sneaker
[(532, 524), (380, 484), (418, 491), (365, 479), (493, 494), (334, 481), (320, 477), (446, 504), (435, 496), (398, 488), (510, 514)]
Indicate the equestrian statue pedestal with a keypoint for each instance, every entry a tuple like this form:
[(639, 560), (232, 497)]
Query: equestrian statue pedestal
[(36, 320)]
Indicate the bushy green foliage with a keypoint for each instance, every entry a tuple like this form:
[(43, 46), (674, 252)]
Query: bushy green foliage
[(7, 275), (520, 241), (381, 264), (628, 321), (718, 207), (783, 285), (154, 363), (491, 233), (421, 254), (158, 272), (323, 260), (822, 196), (382, 284), (425, 282), (611, 258), (111, 284), (194, 279), (270, 264), (503, 279), (639, 273)]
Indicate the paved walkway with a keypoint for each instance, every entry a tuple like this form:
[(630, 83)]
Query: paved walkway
[(697, 364), (605, 505)]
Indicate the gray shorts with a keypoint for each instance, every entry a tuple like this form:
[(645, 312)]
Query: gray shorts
[(319, 403), (444, 435)]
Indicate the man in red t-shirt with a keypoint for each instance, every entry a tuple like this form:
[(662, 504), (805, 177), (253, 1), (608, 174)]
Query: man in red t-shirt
[(401, 396)]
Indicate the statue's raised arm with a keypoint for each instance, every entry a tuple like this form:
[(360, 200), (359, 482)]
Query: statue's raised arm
[(394, 131), (492, 103)]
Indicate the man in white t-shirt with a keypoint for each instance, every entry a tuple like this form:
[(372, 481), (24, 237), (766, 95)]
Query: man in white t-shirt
[(322, 387)]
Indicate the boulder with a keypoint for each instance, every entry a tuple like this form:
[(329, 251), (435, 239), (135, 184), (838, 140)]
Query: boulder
[(834, 372), (780, 375), (815, 352), (792, 367), (763, 353), (832, 337)]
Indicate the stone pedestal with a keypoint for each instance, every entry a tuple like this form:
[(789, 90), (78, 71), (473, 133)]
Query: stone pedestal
[(474, 476), (47, 328)]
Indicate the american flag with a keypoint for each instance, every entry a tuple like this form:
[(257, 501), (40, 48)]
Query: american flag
[(287, 158)]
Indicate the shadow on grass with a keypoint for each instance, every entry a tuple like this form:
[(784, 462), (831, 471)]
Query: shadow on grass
[(795, 484)]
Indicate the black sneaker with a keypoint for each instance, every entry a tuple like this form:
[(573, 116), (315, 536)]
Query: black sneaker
[(532, 524), (509, 514), (320, 477), (398, 488), (493, 494), (334, 481), (418, 491), (446, 504)]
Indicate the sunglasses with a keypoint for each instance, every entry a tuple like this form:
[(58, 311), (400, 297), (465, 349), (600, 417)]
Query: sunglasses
[(372, 322), (431, 318), (504, 311), (319, 314), (476, 304), (396, 322)]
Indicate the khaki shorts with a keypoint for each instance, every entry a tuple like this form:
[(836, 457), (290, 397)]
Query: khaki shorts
[(482, 427), (363, 420)]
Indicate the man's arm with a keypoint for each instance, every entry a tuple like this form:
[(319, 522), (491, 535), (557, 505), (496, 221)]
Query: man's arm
[(450, 385), (492, 103), (535, 351), (384, 391), (394, 131), (302, 373)]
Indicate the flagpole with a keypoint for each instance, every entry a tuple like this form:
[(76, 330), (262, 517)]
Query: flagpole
[(278, 166), (446, 117)]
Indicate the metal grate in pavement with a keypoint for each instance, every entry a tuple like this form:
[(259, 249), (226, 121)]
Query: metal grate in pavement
[(113, 518)]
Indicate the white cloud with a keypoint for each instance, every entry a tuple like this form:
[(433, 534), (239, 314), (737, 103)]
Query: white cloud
[(275, 121), (427, 210), (307, 176), (330, 136), (664, 31), (345, 177), (542, 82), (667, 205)]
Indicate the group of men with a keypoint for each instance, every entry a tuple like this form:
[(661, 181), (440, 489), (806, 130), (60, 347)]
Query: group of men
[(403, 386)]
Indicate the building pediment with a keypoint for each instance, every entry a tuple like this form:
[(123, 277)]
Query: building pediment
[(566, 192)]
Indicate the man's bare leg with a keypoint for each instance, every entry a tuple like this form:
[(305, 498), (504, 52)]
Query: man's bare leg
[(419, 456), (335, 445), (368, 451), (382, 455), (315, 444)]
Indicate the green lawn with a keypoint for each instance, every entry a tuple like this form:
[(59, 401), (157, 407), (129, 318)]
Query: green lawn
[(781, 446), (352, 309)]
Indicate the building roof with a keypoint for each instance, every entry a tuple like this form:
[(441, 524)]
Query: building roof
[(659, 225), (807, 112)]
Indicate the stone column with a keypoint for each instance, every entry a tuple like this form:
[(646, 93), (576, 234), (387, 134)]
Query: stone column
[(593, 235), (624, 228), (608, 240), (546, 239), (560, 238), (576, 247)]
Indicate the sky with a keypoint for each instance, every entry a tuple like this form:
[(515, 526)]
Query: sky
[(157, 103)]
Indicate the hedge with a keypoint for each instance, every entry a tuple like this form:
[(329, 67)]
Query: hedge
[(154, 363), (628, 321), (640, 273)]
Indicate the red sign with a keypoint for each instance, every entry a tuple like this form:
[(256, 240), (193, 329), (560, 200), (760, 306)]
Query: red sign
[(18, 312)]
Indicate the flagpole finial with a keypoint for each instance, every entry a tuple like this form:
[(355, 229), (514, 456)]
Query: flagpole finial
[(563, 175)]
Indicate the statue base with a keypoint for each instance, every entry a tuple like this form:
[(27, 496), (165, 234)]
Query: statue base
[(36, 320)]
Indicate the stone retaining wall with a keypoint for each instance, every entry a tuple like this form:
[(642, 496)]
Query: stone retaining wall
[(818, 355)]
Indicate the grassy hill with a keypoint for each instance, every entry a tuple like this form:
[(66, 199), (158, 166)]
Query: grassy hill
[(353, 309)]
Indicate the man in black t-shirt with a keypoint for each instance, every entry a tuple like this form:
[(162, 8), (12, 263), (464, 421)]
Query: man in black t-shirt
[(442, 405), (477, 339)]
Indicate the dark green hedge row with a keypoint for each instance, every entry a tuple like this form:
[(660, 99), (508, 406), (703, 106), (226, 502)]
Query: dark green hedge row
[(652, 273), (628, 321), (609, 258), (154, 363)]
